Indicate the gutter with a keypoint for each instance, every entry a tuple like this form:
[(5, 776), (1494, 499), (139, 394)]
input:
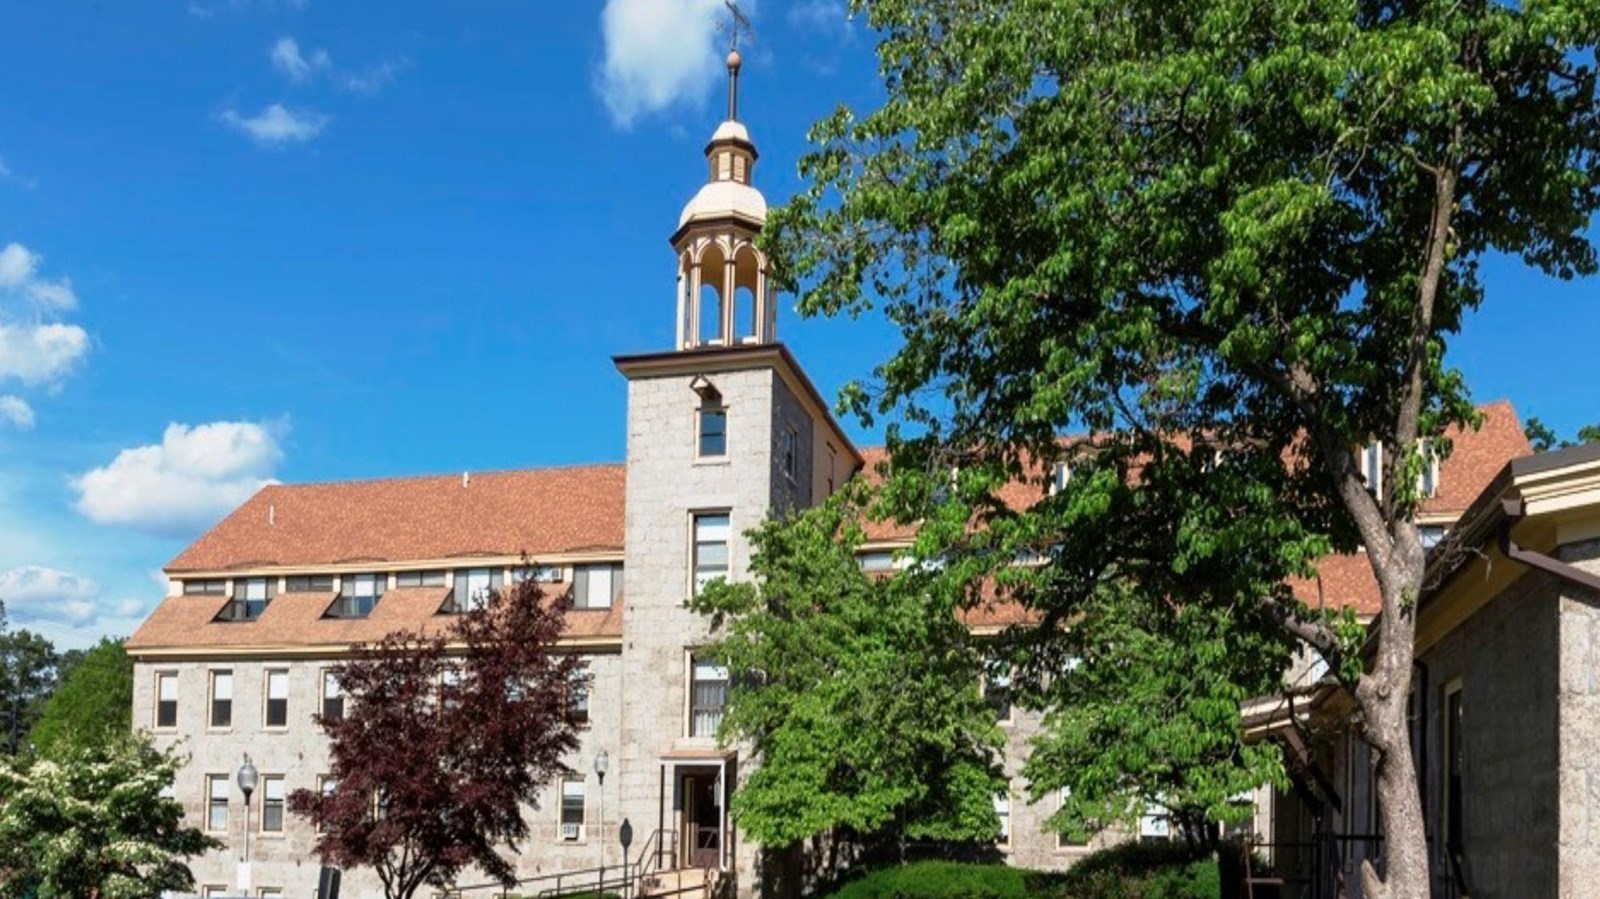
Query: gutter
[(1513, 512)]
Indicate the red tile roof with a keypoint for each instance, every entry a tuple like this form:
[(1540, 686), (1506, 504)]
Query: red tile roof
[(537, 512), (298, 620)]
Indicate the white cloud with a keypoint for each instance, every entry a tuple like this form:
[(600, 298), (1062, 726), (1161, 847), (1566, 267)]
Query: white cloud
[(375, 78), (17, 265), (658, 54), (33, 593), (15, 409), (40, 353), (186, 482), (276, 126), (286, 58)]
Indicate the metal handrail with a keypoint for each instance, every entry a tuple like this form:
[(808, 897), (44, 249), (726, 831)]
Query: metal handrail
[(582, 880)]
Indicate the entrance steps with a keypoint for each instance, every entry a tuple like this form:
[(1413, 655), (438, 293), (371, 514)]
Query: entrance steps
[(685, 883)]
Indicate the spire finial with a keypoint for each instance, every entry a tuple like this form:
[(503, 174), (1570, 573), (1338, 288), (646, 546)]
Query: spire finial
[(737, 22)]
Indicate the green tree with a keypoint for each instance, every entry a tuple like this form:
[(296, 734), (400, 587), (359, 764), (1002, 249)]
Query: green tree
[(94, 823), (1544, 438), (92, 705), (856, 693), (1222, 236), (28, 666)]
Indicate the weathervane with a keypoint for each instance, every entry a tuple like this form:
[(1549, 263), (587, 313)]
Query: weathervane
[(737, 22)]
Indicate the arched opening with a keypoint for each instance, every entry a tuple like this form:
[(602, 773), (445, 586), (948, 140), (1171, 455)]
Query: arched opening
[(747, 312), (685, 309), (712, 270)]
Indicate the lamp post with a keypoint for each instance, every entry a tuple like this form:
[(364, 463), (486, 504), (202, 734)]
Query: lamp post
[(602, 761), (247, 784)]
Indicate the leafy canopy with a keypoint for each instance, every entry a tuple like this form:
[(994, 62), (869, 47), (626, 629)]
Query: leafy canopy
[(480, 711), (1228, 240), (857, 693), (93, 822), (93, 704)]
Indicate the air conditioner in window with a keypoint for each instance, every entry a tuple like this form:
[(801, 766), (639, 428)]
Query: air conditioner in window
[(570, 831)]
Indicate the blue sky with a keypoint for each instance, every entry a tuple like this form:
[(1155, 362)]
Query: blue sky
[(244, 240)]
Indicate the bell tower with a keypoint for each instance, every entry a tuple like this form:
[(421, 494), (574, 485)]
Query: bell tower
[(724, 288)]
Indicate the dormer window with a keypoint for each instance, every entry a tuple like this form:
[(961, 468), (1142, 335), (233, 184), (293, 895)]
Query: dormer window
[(358, 594), (1428, 477), (474, 586), (207, 587), (1059, 477), (1370, 461), (308, 583), (713, 431), (419, 579), (250, 598), (596, 586)]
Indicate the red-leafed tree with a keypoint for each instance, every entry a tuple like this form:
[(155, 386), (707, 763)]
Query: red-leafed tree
[(443, 740)]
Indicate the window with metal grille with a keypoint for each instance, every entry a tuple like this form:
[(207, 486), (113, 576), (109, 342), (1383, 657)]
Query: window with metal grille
[(277, 699), (222, 699), (708, 694), (167, 699)]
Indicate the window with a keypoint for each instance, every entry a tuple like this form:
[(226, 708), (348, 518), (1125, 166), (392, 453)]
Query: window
[(210, 890), (308, 583), (270, 893), (1155, 824), (217, 803), (1430, 535), (1453, 757), (876, 561), (1428, 477), (358, 593), (1059, 477), (578, 694), (325, 787), (596, 586), (167, 699), (419, 579), (1065, 840), (473, 587), (277, 699), (713, 432), (708, 693), (789, 452), (212, 587), (222, 699), (997, 688), (572, 790), (272, 804), (541, 574), (250, 598), (332, 695), (1002, 810), (710, 548), (1372, 467)]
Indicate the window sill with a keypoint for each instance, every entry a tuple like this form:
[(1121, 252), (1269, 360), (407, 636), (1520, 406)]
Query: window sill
[(713, 460)]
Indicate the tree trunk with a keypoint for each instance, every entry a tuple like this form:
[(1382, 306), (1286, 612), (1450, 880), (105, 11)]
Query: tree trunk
[(1382, 696)]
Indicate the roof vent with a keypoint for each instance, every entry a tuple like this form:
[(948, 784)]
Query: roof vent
[(272, 515), (466, 479)]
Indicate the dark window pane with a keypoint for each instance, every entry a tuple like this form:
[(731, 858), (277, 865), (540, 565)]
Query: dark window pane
[(333, 708), (221, 712), (277, 712), (713, 432), (167, 713)]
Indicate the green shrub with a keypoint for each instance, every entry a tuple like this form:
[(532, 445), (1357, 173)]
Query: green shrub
[(938, 880), (1136, 871)]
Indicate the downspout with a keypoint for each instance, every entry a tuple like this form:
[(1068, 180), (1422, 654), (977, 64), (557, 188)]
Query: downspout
[(1572, 574)]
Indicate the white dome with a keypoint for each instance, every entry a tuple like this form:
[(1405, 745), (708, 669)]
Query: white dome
[(719, 199), (731, 130)]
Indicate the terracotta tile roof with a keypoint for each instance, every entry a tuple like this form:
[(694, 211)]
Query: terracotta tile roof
[(538, 512), (1476, 457), (299, 620)]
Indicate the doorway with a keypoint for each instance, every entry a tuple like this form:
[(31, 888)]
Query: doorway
[(701, 822)]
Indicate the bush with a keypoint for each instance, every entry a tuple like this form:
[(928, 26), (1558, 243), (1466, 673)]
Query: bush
[(938, 880), (1136, 871)]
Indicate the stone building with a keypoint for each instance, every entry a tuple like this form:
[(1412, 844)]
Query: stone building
[(722, 429), (1505, 707)]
